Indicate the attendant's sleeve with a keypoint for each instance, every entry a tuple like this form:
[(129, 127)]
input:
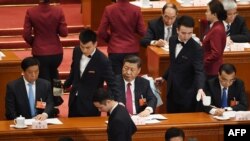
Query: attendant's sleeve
[(28, 30), (62, 27), (103, 33), (49, 101)]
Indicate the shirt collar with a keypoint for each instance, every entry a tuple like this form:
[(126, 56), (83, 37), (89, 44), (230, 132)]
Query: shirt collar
[(116, 104), (26, 82), (131, 82)]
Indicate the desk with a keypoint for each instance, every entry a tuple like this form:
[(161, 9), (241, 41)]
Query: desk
[(158, 62), (9, 70), (199, 125)]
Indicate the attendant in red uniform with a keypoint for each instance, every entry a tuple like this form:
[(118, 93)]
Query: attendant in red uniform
[(42, 27), (214, 41), (120, 26)]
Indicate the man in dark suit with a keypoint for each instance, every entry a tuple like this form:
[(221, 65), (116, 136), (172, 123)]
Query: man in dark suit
[(29, 96), (121, 25), (235, 24), (161, 29), (89, 69), (120, 125), (185, 75), (235, 98), (144, 101)]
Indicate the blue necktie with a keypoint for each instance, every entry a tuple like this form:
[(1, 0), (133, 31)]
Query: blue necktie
[(224, 98), (32, 100)]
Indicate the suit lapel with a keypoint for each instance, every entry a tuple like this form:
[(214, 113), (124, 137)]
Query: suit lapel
[(90, 64), (161, 28), (217, 93), (24, 95)]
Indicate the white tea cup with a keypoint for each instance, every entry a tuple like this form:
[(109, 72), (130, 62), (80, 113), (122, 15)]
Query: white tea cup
[(19, 121), (206, 100)]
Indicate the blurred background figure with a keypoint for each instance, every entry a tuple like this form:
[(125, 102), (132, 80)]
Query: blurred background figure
[(235, 25), (161, 29)]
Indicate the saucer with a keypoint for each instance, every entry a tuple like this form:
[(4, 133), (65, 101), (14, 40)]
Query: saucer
[(221, 117), (20, 127)]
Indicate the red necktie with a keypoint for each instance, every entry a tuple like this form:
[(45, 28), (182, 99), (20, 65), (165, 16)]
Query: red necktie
[(129, 104)]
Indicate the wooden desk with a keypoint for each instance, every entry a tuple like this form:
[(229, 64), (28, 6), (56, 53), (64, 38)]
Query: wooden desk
[(158, 62), (9, 70), (196, 125)]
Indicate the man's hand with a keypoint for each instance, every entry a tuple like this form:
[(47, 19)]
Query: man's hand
[(219, 112), (41, 117), (161, 43), (159, 81), (144, 113), (200, 95)]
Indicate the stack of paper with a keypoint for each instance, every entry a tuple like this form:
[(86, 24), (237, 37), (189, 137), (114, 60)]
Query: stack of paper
[(49, 121)]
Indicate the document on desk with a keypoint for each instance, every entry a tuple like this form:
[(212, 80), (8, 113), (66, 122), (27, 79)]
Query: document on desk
[(49, 121), (152, 119), (157, 116)]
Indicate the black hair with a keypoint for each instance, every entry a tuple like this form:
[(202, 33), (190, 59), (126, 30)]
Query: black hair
[(174, 132), (227, 68), (29, 61), (169, 5), (186, 21), (87, 35), (101, 95), (133, 59), (216, 7)]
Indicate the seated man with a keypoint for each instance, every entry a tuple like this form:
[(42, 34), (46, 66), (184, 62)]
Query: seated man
[(135, 88), (226, 91), (120, 125), (235, 25), (161, 29), (29, 96), (174, 134)]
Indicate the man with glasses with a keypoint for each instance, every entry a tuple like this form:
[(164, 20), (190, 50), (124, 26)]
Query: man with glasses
[(161, 29), (227, 92), (235, 25)]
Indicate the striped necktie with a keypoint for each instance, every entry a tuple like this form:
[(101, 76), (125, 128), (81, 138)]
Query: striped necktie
[(228, 29)]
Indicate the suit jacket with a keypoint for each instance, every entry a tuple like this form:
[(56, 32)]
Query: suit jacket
[(47, 23), (120, 26), (120, 125), (239, 31), (17, 101), (236, 90), (142, 87), (156, 31), (214, 43), (96, 72), (185, 74)]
